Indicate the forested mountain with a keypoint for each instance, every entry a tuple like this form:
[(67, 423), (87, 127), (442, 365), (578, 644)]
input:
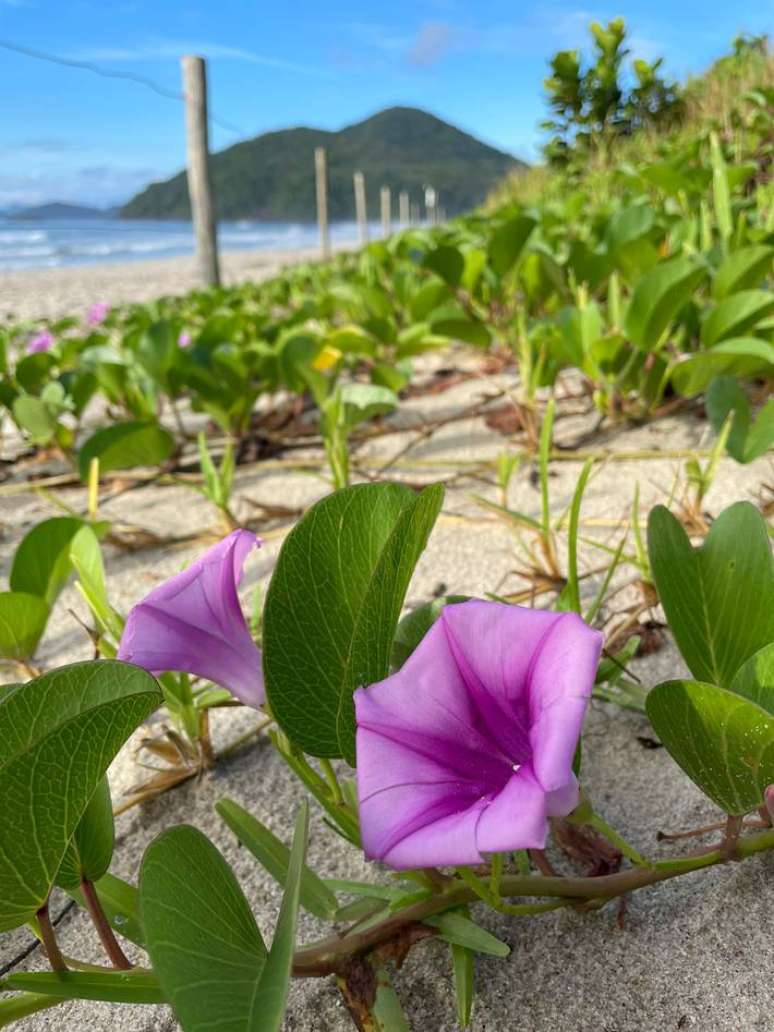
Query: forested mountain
[(272, 176)]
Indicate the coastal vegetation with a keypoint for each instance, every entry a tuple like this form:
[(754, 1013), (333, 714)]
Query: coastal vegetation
[(627, 280)]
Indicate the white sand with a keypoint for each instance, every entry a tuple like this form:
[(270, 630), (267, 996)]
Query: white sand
[(694, 953), (38, 293)]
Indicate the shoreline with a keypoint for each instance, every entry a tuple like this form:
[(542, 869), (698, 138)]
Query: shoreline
[(30, 294)]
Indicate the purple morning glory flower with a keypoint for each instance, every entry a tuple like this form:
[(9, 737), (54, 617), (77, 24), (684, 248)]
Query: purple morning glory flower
[(468, 748), (184, 339), (97, 313), (194, 623), (42, 341)]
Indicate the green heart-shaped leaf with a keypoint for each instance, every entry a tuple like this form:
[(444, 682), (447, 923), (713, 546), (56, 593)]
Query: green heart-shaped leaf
[(508, 241), (719, 598), (740, 356), (125, 446), (658, 296), (749, 438), (742, 269), (58, 735), (23, 619), (447, 262), (36, 417), (333, 606), (90, 850), (202, 938), (723, 742), (755, 678), (41, 565), (735, 315)]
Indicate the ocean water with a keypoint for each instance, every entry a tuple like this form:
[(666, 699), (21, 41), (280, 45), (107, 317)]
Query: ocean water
[(61, 242)]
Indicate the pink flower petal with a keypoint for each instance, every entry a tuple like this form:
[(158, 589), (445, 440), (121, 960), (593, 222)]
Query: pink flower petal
[(561, 682), (194, 623), (468, 748), (516, 817)]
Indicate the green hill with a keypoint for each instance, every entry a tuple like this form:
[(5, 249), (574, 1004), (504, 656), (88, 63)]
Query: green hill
[(272, 176)]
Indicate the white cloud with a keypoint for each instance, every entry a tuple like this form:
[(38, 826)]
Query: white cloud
[(41, 145), (431, 44), (380, 37), (158, 49), (100, 185), (535, 34)]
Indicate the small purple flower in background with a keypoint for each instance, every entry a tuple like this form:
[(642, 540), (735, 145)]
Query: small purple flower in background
[(194, 623), (184, 339), (97, 313), (42, 341), (468, 748)]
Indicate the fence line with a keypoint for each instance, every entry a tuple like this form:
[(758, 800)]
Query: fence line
[(361, 211), (321, 184), (403, 208), (199, 183), (385, 199)]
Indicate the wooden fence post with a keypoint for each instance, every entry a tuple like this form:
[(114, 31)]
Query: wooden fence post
[(403, 207), (199, 183), (431, 202), (361, 213), (386, 206), (321, 182)]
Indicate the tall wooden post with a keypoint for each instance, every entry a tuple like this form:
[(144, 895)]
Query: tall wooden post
[(321, 182), (415, 213), (386, 205), (199, 183), (361, 213), (403, 207)]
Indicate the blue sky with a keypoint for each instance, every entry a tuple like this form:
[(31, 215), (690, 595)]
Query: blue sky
[(69, 134)]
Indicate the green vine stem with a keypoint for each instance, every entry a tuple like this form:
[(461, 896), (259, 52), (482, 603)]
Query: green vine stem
[(109, 942), (328, 956), (47, 936)]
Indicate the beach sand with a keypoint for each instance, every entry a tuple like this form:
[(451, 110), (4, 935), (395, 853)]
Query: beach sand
[(690, 954), (46, 293)]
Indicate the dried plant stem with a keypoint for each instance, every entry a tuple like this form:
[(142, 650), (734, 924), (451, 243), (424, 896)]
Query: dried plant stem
[(48, 938), (109, 942), (206, 751), (165, 479), (706, 829)]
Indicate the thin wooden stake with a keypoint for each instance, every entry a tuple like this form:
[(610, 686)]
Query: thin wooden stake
[(199, 183), (431, 202), (385, 197), (321, 182), (403, 207), (361, 212)]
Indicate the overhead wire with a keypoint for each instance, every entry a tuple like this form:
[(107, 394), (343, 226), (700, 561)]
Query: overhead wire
[(111, 73)]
